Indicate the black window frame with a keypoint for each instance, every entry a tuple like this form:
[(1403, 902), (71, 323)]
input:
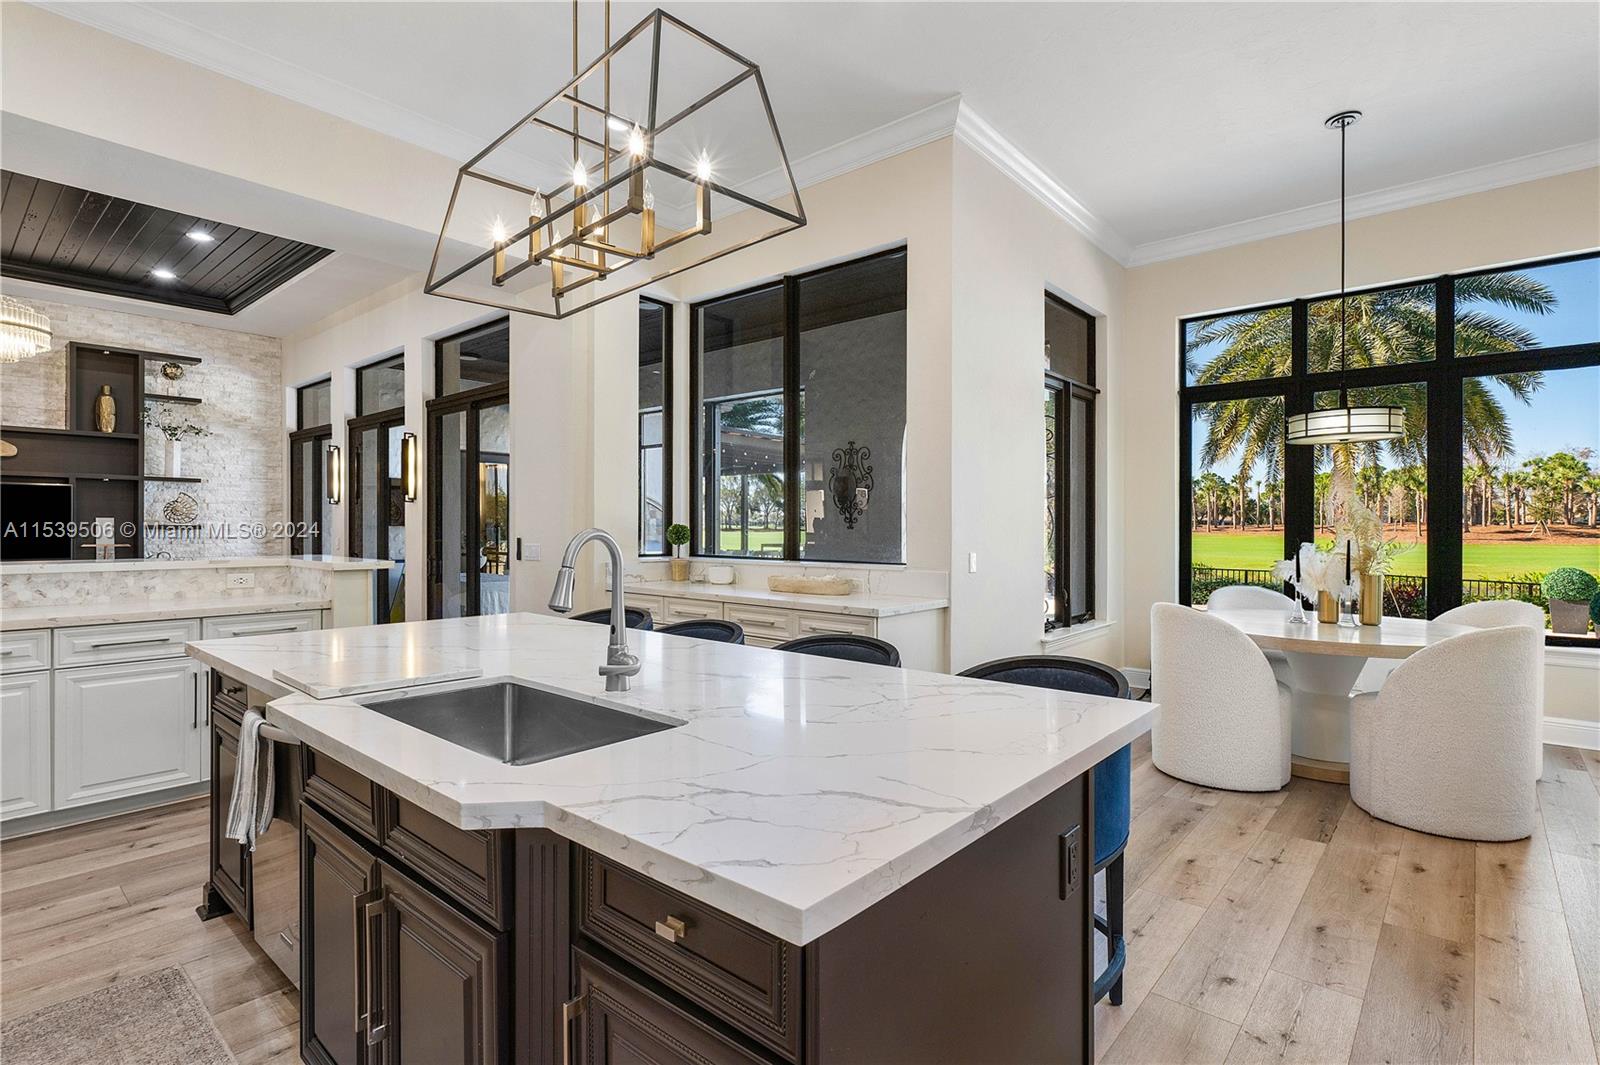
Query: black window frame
[(471, 402), (322, 431), (1066, 390), (1443, 377), (666, 432), (393, 357), (794, 484), (460, 334), (300, 405)]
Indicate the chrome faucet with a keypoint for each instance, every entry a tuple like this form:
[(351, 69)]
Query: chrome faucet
[(620, 665)]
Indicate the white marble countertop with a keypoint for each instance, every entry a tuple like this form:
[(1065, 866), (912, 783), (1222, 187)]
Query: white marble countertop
[(55, 617), (127, 565), (865, 604), (798, 791)]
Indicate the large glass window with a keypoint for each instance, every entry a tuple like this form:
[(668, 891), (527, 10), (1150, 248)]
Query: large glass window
[(655, 426), (310, 508), (474, 358), (1492, 486), (314, 405), (377, 489), (381, 386), (800, 408), (1069, 400)]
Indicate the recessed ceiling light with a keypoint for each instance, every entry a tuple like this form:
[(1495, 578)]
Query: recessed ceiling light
[(201, 235), (163, 275)]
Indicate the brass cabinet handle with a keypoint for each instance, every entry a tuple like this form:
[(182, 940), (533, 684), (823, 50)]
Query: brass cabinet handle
[(672, 929), (570, 1011)]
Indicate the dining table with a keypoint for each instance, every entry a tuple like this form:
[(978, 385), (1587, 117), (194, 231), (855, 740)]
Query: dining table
[(1325, 662)]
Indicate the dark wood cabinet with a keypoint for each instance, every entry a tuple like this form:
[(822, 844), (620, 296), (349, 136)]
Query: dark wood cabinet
[(439, 979), (338, 881), (230, 860), (615, 1020)]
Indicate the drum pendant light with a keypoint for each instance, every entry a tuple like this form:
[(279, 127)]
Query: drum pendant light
[(1344, 424)]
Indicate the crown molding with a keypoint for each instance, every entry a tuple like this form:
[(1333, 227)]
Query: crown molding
[(1381, 201), (971, 129)]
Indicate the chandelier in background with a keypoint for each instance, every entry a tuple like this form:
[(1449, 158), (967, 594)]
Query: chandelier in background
[(614, 181), (1344, 424), (24, 332)]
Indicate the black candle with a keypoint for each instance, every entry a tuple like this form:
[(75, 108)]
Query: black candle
[(1347, 561)]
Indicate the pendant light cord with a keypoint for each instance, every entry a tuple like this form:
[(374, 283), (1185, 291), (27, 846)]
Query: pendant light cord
[(1344, 399)]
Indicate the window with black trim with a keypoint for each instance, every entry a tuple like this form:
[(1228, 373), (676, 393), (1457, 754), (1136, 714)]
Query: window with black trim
[(1069, 407), (655, 426), (798, 408), (381, 385), (377, 506), (310, 508), (1494, 484)]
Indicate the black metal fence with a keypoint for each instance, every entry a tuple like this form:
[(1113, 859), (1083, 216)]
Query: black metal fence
[(1404, 596)]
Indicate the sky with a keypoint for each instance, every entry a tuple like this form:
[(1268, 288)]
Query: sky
[(1565, 412)]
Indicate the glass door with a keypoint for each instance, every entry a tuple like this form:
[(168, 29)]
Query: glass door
[(310, 510), (470, 496), (378, 509)]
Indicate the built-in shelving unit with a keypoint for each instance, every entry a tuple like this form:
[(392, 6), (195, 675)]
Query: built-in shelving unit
[(105, 470)]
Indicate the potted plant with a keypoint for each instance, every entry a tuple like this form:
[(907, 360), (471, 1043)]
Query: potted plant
[(1568, 591), (174, 429), (677, 536)]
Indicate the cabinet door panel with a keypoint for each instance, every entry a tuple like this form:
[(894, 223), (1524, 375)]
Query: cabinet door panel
[(622, 1023), (24, 745), (230, 859), (444, 985), (337, 875), (126, 729)]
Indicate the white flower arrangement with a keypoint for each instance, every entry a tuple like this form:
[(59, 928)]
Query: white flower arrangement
[(1320, 571)]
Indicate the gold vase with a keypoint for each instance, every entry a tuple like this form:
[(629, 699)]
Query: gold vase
[(680, 569), (1372, 599), (1327, 609), (105, 411)]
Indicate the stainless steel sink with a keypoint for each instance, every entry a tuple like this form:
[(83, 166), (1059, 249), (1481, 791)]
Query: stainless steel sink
[(513, 723)]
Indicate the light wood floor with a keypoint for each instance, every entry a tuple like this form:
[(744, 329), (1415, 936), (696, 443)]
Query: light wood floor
[(1285, 927), (1293, 927)]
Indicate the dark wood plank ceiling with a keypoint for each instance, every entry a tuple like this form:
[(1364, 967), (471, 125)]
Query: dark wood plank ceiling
[(60, 235)]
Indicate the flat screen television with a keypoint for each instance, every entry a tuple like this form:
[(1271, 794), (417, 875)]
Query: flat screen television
[(35, 520)]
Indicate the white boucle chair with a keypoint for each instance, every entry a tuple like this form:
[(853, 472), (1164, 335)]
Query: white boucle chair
[(1492, 614), (1255, 597), (1222, 721), (1442, 748)]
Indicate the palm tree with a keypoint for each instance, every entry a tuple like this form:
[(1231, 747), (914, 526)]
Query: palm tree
[(1382, 329), (1211, 489)]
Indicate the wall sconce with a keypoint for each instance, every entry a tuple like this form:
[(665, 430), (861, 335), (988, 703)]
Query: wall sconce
[(334, 474), (850, 482), (408, 466)]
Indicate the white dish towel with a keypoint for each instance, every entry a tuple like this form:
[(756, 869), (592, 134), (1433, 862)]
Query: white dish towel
[(251, 810)]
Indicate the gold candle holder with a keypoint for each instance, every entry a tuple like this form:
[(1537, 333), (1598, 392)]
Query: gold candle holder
[(1327, 608), (1372, 599)]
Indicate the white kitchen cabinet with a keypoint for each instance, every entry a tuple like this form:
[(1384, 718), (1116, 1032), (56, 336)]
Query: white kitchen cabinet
[(126, 729), (24, 744)]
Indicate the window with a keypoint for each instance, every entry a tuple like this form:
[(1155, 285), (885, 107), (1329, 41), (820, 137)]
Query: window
[(1496, 480), (799, 412), (469, 476), (377, 490), (310, 509), (381, 386), (475, 358), (1069, 402), (655, 426)]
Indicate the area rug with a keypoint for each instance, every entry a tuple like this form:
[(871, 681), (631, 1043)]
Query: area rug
[(156, 1019)]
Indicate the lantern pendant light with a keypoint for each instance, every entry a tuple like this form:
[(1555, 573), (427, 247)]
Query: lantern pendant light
[(1345, 424)]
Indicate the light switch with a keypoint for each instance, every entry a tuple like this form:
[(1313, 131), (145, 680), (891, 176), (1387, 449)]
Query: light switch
[(972, 562)]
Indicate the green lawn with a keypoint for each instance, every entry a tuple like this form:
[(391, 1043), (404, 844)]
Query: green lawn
[(1479, 561), (758, 538)]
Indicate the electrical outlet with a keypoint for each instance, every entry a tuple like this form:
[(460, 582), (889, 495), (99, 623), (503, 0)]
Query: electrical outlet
[(533, 552), (243, 579), (972, 562)]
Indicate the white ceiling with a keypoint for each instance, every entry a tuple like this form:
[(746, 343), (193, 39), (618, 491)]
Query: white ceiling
[(1162, 121)]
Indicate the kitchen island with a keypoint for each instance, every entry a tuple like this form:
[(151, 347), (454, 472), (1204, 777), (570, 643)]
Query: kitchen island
[(806, 860)]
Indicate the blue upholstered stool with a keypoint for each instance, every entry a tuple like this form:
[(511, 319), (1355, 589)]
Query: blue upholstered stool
[(637, 618), (1112, 785), (706, 629), (845, 646)]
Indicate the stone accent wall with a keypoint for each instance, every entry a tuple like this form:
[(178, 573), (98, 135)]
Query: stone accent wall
[(241, 386)]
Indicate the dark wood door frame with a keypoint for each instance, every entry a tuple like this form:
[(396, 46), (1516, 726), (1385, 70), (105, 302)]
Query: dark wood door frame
[(470, 404), (384, 422)]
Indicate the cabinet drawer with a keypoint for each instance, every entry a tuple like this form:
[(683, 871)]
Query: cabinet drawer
[(621, 1022), (341, 791), (653, 603), (473, 868), (94, 645), (836, 624), (762, 621), (748, 977), (692, 610), (229, 697), (23, 652), (260, 624)]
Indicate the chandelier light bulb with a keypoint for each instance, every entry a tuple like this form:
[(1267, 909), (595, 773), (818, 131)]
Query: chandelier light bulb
[(499, 230), (533, 204), (702, 167), (580, 176), (649, 196), (636, 143)]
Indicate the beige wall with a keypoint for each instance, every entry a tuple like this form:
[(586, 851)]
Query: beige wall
[(1520, 222)]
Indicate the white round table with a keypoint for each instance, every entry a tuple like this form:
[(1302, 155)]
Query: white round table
[(1324, 664)]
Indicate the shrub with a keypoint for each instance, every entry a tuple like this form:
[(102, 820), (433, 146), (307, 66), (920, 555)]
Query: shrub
[(1594, 611), (1570, 585)]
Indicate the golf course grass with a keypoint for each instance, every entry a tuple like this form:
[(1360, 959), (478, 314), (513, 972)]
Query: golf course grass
[(1478, 562)]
